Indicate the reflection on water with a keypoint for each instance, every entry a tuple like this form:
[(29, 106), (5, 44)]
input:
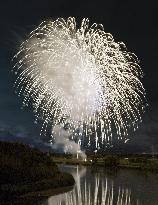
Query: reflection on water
[(100, 187), (97, 186), (99, 191)]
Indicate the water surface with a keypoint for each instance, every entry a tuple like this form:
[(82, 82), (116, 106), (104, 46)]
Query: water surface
[(97, 186)]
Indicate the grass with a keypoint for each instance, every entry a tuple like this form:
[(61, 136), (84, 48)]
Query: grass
[(26, 170)]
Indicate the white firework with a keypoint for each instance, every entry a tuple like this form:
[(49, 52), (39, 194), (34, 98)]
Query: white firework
[(80, 76)]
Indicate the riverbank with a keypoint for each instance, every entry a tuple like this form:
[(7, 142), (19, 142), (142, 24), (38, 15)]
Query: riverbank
[(124, 162), (27, 171), (34, 197)]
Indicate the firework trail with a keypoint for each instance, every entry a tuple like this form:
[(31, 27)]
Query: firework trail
[(82, 78)]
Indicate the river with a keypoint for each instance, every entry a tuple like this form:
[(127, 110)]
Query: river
[(97, 186)]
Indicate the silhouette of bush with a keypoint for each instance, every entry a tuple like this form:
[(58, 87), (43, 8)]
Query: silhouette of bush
[(24, 169)]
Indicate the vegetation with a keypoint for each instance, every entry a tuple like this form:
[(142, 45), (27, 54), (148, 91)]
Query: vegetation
[(24, 169), (111, 161), (141, 162)]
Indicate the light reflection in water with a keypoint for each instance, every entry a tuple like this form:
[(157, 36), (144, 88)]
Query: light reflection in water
[(100, 190)]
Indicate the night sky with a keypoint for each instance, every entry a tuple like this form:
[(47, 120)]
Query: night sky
[(133, 22)]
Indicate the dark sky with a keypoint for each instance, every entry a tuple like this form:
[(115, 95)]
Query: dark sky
[(133, 22)]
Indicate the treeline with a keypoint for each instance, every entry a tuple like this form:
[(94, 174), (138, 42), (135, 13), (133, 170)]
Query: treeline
[(102, 155), (24, 169), (132, 161)]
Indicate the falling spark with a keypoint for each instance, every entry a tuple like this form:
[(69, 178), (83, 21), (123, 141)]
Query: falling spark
[(81, 77)]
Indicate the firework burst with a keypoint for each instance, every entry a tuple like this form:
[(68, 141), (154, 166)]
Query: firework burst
[(82, 77)]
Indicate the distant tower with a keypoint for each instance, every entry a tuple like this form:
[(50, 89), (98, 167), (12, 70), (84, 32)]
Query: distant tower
[(153, 155)]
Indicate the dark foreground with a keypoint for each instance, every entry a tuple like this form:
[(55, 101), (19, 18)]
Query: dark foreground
[(27, 172)]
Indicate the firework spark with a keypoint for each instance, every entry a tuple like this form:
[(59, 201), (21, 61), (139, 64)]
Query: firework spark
[(81, 77)]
